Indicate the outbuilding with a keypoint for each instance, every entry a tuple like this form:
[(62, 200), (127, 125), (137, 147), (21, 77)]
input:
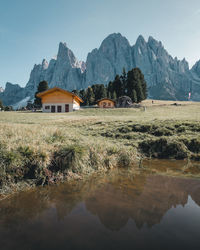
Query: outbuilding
[(106, 103), (57, 100)]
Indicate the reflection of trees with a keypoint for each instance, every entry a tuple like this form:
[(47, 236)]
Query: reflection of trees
[(146, 202)]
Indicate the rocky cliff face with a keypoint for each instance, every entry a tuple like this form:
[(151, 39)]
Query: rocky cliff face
[(104, 63), (166, 77), (65, 71), (12, 93)]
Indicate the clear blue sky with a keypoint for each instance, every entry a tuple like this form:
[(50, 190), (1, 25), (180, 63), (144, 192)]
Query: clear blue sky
[(31, 30)]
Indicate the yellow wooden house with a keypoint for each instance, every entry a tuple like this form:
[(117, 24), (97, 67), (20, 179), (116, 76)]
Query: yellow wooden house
[(106, 103), (57, 100)]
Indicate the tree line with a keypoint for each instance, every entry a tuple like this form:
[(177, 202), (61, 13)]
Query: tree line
[(130, 84), (5, 108)]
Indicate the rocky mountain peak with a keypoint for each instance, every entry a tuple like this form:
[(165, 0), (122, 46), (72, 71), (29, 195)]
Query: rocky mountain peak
[(196, 68), (66, 56), (166, 77), (154, 44), (140, 41), (10, 85), (116, 40), (44, 64)]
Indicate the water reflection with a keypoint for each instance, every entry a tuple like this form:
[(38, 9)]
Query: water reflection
[(104, 210)]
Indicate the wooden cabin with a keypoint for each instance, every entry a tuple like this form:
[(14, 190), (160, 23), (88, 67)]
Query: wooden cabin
[(106, 103), (57, 100)]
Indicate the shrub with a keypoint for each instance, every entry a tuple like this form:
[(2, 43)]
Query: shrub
[(32, 162), (56, 136), (181, 129), (125, 129), (20, 164), (193, 144), (112, 151), (162, 131), (163, 148), (123, 160), (66, 157), (93, 158), (141, 128)]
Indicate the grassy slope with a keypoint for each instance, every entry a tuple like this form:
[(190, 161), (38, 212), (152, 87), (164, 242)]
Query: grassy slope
[(44, 148)]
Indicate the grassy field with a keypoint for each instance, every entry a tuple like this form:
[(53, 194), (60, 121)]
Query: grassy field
[(39, 148)]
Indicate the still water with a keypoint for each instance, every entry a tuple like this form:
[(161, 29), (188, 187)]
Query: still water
[(118, 210)]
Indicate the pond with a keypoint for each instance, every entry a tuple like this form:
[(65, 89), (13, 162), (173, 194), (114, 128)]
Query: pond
[(117, 210)]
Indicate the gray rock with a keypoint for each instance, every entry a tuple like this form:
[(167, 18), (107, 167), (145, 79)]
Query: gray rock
[(124, 102), (166, 77), (13, 93), (104, 63)]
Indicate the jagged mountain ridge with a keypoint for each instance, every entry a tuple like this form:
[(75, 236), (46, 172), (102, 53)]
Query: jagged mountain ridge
[(166, 77)]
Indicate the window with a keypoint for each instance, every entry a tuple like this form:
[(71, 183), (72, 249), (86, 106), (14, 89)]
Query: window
[(59, 109), (47, 107)]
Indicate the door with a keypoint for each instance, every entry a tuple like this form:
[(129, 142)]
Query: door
[(53, 109), (59, 109), (66, 107)]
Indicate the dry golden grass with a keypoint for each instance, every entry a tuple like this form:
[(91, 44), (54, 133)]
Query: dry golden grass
[(29, 128), (103, 132)]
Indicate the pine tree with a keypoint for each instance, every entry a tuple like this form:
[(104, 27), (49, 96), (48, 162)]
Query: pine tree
[(99, 91), (114, 96), (139, 84), (131, 82), (109, 95), (134, 96), (90, 97), (41, 87), (1, 105), (82, 95), (124, 81), (117, 86)]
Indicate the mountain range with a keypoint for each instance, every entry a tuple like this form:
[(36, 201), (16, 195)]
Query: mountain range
[(167, 78)]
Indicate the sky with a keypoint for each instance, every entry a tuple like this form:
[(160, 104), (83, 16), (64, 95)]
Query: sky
[(31, 30)]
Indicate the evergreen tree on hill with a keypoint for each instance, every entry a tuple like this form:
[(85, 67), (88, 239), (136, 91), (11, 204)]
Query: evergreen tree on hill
[(1, 105), (135, 81), (90, 97), (99, 91), (41, 87), (117, 86), (130, 84), (114, 96), (123, 78)]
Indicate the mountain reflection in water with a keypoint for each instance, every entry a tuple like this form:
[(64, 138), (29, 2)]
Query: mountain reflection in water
[(116, 211)]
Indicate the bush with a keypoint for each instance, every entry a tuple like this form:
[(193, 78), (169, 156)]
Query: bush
[(163, 148), (141, 128), (93, 159), (57, 136), (112, 151), (123, 160), (162, 131), (66, 158), (33, 162), (20, 164), (193, 144), (125, 129)]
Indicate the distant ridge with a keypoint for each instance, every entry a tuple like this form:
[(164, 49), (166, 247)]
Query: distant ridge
[(167, 78)]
